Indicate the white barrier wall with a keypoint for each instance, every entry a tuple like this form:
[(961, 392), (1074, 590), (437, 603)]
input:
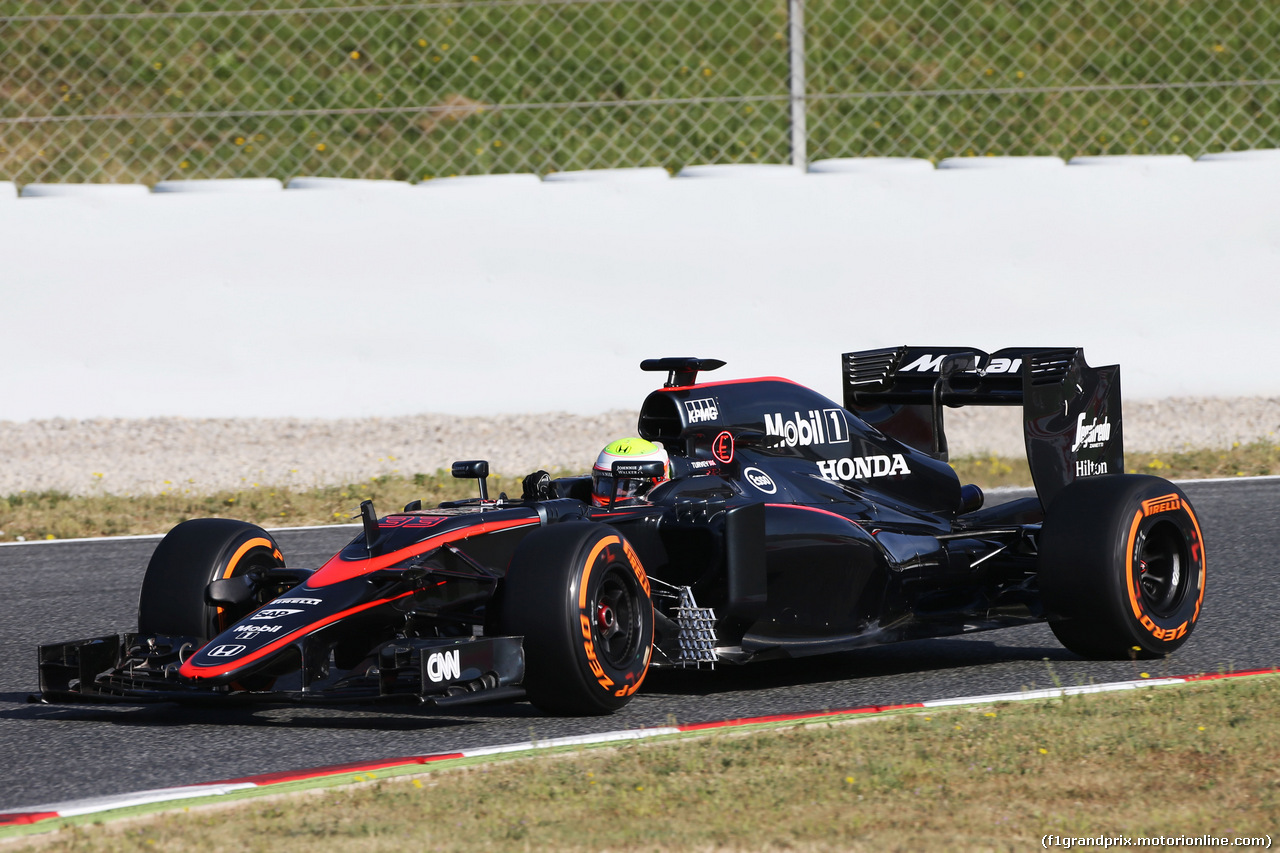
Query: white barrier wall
[(510, 293)]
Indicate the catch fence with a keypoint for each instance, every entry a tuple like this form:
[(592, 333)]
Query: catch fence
[(149, 90)]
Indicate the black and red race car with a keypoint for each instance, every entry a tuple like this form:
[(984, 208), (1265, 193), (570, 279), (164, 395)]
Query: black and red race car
[(791, 525)]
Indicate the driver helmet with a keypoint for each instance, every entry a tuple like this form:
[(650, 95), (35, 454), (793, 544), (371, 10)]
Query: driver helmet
[(628, 489)]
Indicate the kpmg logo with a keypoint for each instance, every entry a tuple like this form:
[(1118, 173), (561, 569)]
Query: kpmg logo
[(702, 411)]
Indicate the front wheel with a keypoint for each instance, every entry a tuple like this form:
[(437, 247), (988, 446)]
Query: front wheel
[(187, 559), (1122, 567), (579, 596)]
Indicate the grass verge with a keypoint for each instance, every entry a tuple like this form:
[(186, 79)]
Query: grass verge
[(30, 516), (1166, 762)]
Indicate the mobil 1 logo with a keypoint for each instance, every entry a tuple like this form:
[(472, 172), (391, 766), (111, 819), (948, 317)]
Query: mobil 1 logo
[(814, 426)]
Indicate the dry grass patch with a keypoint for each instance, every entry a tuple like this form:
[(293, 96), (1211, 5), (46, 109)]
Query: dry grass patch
[(57, 515), (1162, 761)]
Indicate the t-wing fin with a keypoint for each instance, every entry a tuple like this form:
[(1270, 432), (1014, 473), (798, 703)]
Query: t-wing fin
[(681, 372)]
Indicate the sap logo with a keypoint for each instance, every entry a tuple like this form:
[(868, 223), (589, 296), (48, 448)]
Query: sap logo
[(274, 614), (863, 467), (225, 651), (701, 411), (307, 601), (248, 632), (444, 666), (1094, 435), (817, 426), (1085, 468), (929, 363), (760, 480)]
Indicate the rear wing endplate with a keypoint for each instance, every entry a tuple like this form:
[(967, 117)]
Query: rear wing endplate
[(1071, 411)]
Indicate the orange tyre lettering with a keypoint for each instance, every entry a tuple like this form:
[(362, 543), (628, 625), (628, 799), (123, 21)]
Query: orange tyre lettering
[(1164, 503), (588, 643), (1150, 507), (636, 567)]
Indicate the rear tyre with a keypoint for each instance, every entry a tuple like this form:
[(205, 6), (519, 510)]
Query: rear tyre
[(1122, 567), (186, 560), (579, 596)]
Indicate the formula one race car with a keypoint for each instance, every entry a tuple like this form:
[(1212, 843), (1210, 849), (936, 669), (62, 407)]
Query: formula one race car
[(790, 525)]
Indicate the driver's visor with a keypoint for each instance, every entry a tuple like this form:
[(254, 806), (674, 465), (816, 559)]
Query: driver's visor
[(602, 489)]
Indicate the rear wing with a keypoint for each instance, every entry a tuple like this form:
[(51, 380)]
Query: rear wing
[(1071, 412)]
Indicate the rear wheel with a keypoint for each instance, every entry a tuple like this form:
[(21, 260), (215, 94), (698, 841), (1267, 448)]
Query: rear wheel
[(579, 596), (1122, 567), (187, 559)]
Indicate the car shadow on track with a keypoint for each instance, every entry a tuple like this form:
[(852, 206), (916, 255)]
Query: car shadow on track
[(293, 717), (915, 657)]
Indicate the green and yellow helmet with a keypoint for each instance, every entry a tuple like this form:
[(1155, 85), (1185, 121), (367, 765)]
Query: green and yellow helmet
[(626, 489)]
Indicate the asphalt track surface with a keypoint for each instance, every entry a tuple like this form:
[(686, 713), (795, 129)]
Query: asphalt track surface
[(53, 592)]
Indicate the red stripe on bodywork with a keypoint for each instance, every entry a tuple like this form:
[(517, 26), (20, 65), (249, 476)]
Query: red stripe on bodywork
[(815, 509), (191, 670), (338, 569)]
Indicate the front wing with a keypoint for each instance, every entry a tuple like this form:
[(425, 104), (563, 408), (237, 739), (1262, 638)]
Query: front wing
[(144, 668)]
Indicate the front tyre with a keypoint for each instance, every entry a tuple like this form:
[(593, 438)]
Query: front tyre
[(579, 596), (187, 559), (1122, 567)]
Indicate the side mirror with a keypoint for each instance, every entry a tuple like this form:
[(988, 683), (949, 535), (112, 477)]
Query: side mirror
[(473, 469)]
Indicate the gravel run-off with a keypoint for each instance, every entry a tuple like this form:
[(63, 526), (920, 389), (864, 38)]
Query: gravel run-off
[(115, 456)]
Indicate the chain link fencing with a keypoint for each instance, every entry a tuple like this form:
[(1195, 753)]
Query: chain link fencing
[(150, 90)]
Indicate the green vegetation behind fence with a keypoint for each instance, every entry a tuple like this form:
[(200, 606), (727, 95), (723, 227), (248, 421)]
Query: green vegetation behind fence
[(123, 90)]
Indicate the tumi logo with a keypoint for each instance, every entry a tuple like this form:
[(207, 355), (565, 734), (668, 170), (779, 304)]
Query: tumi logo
[(701, 411), (225, 651), (930, 363), (817, 426), (444, 666), (863, 467)]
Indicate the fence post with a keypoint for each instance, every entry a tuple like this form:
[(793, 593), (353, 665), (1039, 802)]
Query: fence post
[(799, 139)]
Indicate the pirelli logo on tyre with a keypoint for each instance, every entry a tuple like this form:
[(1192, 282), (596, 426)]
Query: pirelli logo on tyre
[(599, 558), (1164, 503)]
